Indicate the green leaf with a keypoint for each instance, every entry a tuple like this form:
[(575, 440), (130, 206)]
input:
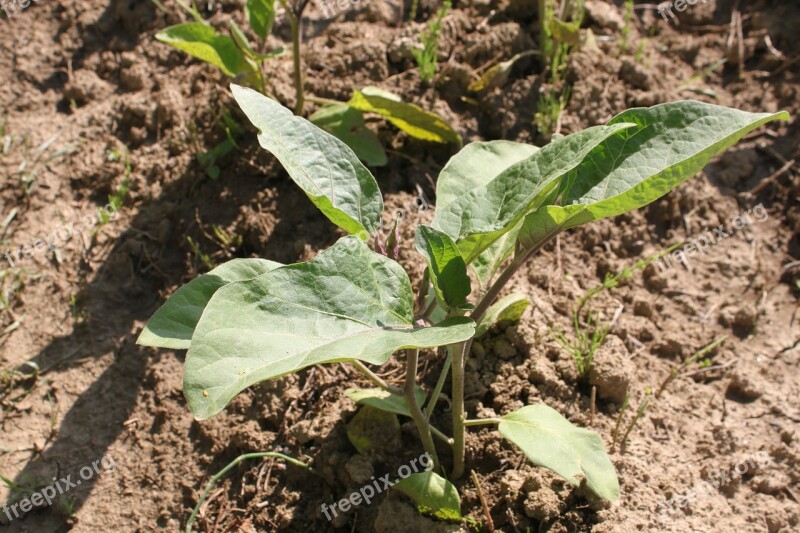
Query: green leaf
[(410, 118), (448, 272), (348, 125), (347, 303), (433, 494), (173, 324), (261, 16), (484, 214), (507, 309), (323, 166), (550, 440), (203, 42), (384, 400), (498, 74), (372, 429), (670, 144), (475, 165), (565, 32)]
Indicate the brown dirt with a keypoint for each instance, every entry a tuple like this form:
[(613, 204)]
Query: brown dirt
[(91, 72)]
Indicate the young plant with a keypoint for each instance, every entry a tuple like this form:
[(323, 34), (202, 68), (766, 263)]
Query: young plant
[(559, 33), (427, 57), (251, 320), (232, 54), (236, 57)]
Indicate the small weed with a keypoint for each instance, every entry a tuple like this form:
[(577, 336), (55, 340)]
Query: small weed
[(700, 358), (427, 57), (203, 257)]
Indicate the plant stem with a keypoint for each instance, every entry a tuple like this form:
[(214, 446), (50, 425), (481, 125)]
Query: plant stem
[(460, 350), (457, 356), (376, 379), (424, 428), (437, 391), (481, 422), (295, 19)]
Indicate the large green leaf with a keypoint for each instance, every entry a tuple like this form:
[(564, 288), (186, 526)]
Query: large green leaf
[(475, 165), (550, 440), (410, 118), (261, 16), (173, 324), (447, 269), (384, 400), (323, 166), (433, 494), (347, 303), (484, 214), (203, 42), (670, 144), (348, 125)]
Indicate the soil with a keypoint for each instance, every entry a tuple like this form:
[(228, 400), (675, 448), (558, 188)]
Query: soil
[(84, 82)]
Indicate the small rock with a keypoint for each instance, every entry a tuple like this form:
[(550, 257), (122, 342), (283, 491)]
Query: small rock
[(360, 469), (612, 370), (671, 345), (745, 319), (503, 348), (250, 437), (85, 86), (604, 15), (643, 308), (635, 74)]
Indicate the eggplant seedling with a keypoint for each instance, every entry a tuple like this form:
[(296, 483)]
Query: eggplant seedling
[(499, 203)]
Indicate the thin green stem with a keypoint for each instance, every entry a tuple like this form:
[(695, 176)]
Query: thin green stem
[(424, 428), (295, 21), (460, 350), (457, 364), (437, 391), (227, 469), (481, 422), (376, 379)]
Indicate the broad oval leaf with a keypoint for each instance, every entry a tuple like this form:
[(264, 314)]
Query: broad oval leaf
[(201, 41), (173, 324), (550, 440), (323, 166), (670, 143), (448, 272), (509, 308), (261, 16), (433, 494), (484, 214), (347, 124), (384, 400), (373, 429), (475, 165), (410, 118), (347, 303)]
